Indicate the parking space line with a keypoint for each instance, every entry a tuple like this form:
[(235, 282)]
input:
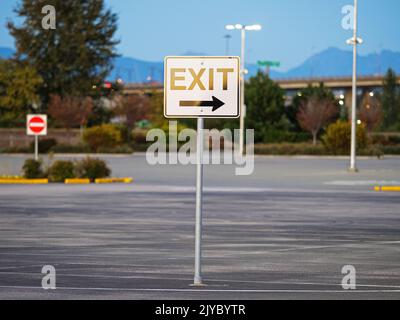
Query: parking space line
[(20, 267), (296, 248), (225, 281), (344, 245), (207, 290)]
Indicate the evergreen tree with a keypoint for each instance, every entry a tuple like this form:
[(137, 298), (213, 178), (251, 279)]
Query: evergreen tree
[(18, 86), (390, 101), (76, 54), (265, 107)]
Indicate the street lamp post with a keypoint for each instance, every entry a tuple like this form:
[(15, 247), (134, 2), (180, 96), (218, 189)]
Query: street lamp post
[(242, 85), (228, 38), (354, 42), (243, 30)]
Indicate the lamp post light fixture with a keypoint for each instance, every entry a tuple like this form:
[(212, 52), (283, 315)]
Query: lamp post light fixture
[(243, 29), (354, 41)]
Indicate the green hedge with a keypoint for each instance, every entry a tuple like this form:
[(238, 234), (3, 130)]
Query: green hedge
[(390, 150), (68, 148), (293, 149), (385, 139), (16, 150), (286, 136), (123, 149), (289, 149), (45, 145)]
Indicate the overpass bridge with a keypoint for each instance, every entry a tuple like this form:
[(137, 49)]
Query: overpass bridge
[(332, 82), (340, 86)]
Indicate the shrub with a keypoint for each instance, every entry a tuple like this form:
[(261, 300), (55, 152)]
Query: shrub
[(122, 149), (289, 149), (32, 169), (61, 170), (69, 148), (92, 168), (15, 149), (45, 145), (391, 150), (372, 151), (338, 135), (142, 147), (277, 136), (379, 139), (394, 139), (385, 139), (105, 136), (139, 137)]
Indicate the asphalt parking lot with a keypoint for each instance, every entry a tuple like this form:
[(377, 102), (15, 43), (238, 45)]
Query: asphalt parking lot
[(283, 233)]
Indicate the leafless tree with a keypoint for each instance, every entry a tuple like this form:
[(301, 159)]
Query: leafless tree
[(371, 112), (133, 108), (70, 112), (315, 113)]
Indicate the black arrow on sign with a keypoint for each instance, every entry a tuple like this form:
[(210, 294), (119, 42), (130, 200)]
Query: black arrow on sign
[(215, 103)]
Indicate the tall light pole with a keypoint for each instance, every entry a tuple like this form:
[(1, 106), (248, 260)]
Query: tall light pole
[(354, 42), (243, 29)]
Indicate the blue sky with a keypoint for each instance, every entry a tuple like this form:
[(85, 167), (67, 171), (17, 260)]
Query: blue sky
[(292, 29)]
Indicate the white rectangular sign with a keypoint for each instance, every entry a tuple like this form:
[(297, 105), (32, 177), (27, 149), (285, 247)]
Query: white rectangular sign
[(206, 87), (36, 124)]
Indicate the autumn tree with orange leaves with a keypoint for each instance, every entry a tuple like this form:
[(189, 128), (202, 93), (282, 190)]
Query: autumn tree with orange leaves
[(70, 112), (315, 113), (371, 112), (133, 108)]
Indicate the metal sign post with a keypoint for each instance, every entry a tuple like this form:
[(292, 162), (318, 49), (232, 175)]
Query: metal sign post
[(36, 125), (201, 87), (199, 202), (36, 148)]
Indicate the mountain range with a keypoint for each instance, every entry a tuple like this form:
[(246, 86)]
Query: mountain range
[(331, 62)]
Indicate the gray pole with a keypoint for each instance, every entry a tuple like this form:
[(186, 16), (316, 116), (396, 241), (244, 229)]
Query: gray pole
[(242, 84), (199, 195), (354, 96), (227, 37), (36, 148)]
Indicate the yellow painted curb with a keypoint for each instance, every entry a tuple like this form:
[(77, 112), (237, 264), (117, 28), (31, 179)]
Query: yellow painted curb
[(388, 189), (113, 180), (77, 181), (11, 177), (24, 181)]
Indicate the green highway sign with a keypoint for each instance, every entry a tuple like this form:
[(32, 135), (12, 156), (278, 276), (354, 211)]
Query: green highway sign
[(267, 63)]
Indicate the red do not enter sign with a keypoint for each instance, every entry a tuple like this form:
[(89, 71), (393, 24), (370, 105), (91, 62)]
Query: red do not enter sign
[(36, 125)]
